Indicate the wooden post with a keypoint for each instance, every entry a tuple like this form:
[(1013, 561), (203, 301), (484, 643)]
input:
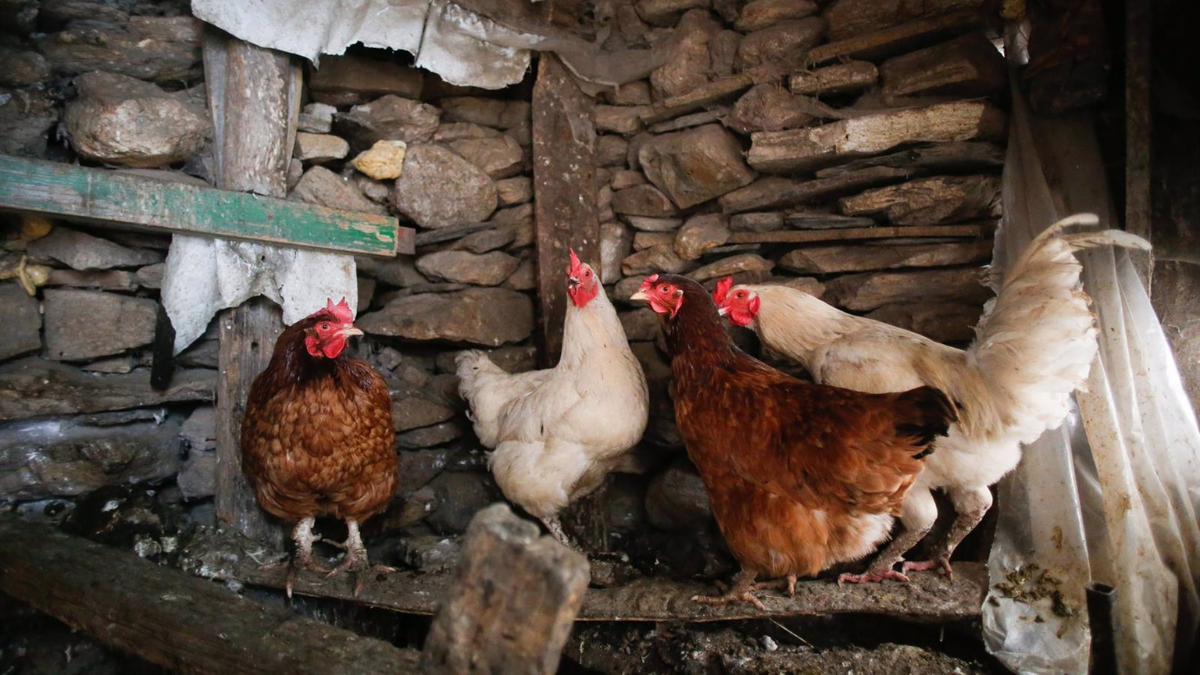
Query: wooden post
[(564, 188), (512, 602), (1138, 129), (167, 617), (254, 98)]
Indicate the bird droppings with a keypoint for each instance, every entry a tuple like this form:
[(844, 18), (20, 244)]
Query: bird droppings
[(1030, 584)]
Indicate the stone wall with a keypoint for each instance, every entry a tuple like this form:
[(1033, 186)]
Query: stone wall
[(772, 130)]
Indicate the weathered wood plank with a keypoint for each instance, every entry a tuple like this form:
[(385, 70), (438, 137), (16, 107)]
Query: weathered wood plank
[(937, 158), (1139, 134), (817, 147), (182, 623), (123, 201), (897, 39), (837, 79), (255, 103), (969, 230), (512, 601), (830, 259), (928, 201), (775, 191), (564, 177), (871, 290), (848, 18)]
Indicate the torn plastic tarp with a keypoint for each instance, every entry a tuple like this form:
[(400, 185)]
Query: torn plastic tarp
[(206, 275), (1117, 504), (463, 47)]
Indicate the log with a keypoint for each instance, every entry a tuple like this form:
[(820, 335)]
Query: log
[(830, 259), (179, 622), (870, 290), (774, 191), (817, 147), (564, 177), (936, 158), (929, 598), (897, 39), (847, 18), (928, 201), (964, 67), (511, 603), (843, 78), (969, 231), (130, 202), (254, 98)]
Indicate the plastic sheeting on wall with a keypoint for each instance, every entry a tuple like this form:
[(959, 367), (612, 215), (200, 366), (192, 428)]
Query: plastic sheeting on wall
[(1118, 504)]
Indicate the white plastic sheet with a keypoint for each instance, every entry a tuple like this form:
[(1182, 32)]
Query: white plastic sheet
[(1117, 504)]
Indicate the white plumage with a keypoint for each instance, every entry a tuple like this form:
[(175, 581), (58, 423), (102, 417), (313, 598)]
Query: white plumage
[(1034, 346), (558, 432)]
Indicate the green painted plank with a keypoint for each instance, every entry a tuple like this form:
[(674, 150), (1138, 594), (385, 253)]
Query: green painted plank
[(64, 191)]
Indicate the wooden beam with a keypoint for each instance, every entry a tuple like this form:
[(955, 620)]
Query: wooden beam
[(124, 201), (564, 188), (1138, 134), (255, 100), (182, 623), (511, 604), (970, 230)]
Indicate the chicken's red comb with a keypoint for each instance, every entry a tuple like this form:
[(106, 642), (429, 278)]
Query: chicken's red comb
[(575, 264), (722, 290), (340, 311), (649, 281)]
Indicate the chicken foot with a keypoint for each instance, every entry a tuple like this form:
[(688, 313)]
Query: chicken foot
[(303, 535), (970, 507), (884, 565), (743, 589), (355, 560), (554, 525)]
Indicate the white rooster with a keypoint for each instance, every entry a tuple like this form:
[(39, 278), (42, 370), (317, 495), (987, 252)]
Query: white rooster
[(558, 432), (1033, 347)]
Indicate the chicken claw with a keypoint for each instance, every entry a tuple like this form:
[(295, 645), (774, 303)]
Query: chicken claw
[(742, 591), (872, 575), (937, 563), (355, 560)]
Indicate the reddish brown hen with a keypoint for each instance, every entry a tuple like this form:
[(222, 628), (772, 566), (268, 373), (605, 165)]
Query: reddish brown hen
[(317, 438), (800, 476)]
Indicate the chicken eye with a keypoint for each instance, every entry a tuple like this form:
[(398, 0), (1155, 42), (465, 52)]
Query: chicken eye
[(325, 326), (665, 288), (587, 273)]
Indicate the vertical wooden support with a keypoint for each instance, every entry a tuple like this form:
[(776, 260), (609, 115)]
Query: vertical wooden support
[(253, 96), (564, 188), (1138, 129), (510, 608)]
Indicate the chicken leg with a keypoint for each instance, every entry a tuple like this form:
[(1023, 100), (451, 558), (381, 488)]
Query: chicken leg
[(303, 535), (970, 506), (554, 525), (743, 590), (920, 512), (355, 560)]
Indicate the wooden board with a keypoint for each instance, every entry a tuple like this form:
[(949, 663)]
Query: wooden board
[(564, 188), (1138, 134), (169, 618), (122, 201), (969, 230), (897, 39), (928, 598)]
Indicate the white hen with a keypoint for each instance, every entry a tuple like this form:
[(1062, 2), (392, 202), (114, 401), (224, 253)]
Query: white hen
[(558, 432), (1033, 347)]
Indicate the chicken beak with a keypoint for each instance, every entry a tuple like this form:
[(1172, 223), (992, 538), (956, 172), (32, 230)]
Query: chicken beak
[(349, 332), (640, 294), (722, 311), (572, 282)]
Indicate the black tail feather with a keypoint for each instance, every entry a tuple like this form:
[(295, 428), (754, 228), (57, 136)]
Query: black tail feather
[(926, 413)]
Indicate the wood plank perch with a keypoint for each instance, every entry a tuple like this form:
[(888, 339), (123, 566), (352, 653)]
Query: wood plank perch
[(174, 620), (123, 201), (930, 598)]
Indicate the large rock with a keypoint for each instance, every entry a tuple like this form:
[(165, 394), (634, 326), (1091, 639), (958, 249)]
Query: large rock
[(22, 68), (515, 190), (695, 165), (676, 500), (26, 116), (618, 119), (64, 458), (81, 251), (321, 186), (159, 49), (488, 269), (616, 242), (122, 120), (319, 147), (766, 107), (483, 316), (830, 259), (87, 324), (784, 44), (389, 118), (941, 321), (642, 200), (490, 112), (687, 67), (736, 264), (382, 161), (198, 475), (459, 496), (413, 408), (666, 12), (105, 280), (653, 260), (498, 157), (927, 201), (438, 188), (761, 14), (700, 234), (870, 290), (22, 322)]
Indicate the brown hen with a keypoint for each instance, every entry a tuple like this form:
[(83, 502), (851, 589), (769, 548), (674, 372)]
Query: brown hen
[(800, 476), (318, 438)]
